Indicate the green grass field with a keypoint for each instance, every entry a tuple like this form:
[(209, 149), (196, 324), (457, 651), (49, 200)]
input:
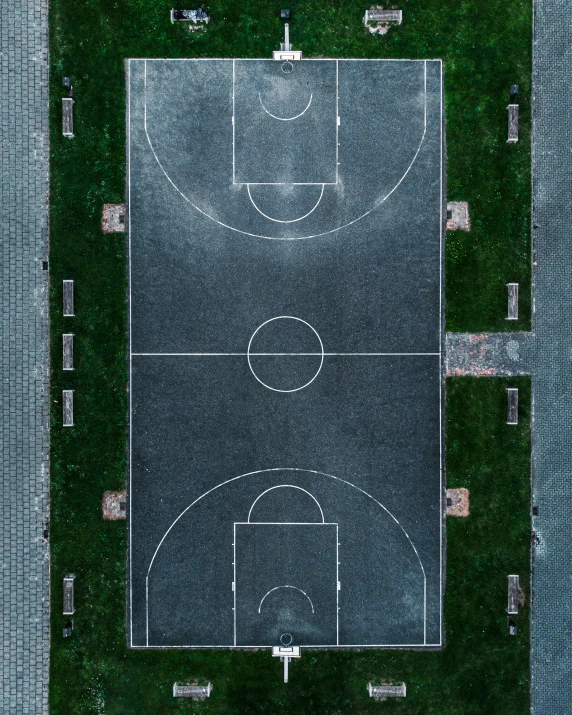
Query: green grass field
[(486, 47)]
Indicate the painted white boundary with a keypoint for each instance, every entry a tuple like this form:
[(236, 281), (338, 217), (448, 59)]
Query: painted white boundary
[(283, 119), (399, 646), (285, 586), (337, 124), (277, 220), (288, 238), (284, 486), (131, 354), (265, 59), (287, 523), (440, 337), (130, 386), (283, 354), (295, 470), (285, 317)]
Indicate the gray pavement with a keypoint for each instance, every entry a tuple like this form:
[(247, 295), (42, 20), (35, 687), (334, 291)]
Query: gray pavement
[(552, 387), (24, 369)]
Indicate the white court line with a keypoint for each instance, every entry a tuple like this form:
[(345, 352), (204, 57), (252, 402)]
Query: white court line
[(283, 354), (285, 523), (288, 523), (130, 354), (281, 119), (266, 59), (337, 125), (290, 238), (299, 320), (333, 646), (268, 471), (286, 183), (441, 236), (280, 183), (234, 582), (338, 585), (286, 586), (284, 486), (327, 354), (233, 162), (277, 220)]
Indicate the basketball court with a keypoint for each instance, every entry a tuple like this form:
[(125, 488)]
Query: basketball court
[(285, 378)]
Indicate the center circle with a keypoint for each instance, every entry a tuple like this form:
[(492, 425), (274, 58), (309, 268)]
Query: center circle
[(285, 354), (286, 639), (287, 67)]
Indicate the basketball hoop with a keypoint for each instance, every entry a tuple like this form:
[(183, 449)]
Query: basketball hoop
[(286, 654)]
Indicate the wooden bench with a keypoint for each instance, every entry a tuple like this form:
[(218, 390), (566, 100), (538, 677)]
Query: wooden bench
[(67, 117), (198, 15), (196, 692), (512, 123), (512, 595), (68, 299), (67, 339), (512, 301), (512, 399), (376, 14), (69, 608), (67, 400), (380, 692)]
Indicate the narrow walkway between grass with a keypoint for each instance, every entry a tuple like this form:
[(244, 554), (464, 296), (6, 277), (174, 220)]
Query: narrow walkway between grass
[(488, 354), (552, 385), (24, 367)]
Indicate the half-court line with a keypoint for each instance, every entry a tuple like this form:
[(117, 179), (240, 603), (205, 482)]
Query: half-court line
[(282, 354)]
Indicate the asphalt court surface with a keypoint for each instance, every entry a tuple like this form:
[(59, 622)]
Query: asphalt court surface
[(302, 102), (267, 562), (285, 235)]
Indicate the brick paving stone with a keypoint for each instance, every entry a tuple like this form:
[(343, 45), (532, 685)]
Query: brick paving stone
[(551, 665), (24, 566), (487, 354)]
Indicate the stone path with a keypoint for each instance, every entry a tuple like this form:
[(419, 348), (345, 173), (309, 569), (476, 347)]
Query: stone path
[(487, 354), (24, 610), (552, 374)]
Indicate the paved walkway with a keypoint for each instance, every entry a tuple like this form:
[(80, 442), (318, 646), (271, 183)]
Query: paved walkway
[(24, 608), (488, 354), (552, 376)]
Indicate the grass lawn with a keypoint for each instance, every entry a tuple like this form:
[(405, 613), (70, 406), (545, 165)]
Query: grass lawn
[(486, 47)]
